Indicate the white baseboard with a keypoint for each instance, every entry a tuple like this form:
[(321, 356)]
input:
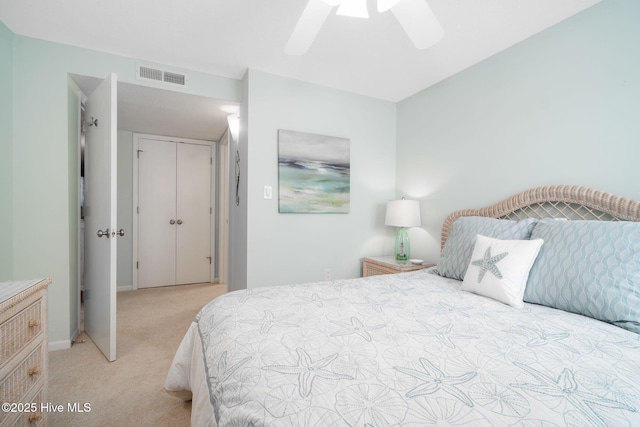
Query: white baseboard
[(65, 344), (59, 345), (125, 288)]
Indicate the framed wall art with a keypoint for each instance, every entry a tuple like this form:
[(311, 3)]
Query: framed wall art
[(313, 173)]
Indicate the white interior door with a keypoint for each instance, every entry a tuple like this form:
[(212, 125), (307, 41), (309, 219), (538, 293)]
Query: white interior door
[(193, 227), (100, 217), (156, 213)]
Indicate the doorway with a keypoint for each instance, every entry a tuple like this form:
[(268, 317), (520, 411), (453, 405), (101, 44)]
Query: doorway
[(150, 110)]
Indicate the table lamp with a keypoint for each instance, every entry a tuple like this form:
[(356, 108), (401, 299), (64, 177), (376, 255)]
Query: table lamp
[(403, 213)]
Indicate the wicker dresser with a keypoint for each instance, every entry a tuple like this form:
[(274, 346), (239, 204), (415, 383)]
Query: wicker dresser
[(23, 352)]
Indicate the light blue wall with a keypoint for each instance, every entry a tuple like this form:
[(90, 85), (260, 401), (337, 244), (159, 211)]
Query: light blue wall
[(6, 152), (43, 223), (559, 108), (238, 244), (295, 248)]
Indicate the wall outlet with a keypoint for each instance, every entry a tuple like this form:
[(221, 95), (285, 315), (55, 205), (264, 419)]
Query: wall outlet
[(327, 274)]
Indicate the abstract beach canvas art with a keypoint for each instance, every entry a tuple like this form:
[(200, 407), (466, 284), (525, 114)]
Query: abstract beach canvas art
[(314, 173)]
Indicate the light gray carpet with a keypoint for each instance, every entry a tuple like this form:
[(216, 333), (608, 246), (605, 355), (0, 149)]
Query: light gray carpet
[(129, 391)]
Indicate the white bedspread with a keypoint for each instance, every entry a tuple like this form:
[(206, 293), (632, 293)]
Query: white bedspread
[(408, 349)]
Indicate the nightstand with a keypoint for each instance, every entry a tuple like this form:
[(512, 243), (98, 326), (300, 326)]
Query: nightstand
[(375, 265)]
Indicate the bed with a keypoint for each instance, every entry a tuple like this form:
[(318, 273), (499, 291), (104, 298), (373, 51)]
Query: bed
[(546, 335)]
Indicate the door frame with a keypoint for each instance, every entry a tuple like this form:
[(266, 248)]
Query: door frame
[(214, 202)]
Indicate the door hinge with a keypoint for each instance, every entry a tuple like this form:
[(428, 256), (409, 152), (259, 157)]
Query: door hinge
[(210, 211), (137, 265), (209, 259), (139, 151), (211, 160)]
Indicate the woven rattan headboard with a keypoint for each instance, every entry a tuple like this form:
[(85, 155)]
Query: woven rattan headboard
[(555, 201)]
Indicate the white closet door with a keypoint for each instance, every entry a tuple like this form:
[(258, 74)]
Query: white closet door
[(193, 229), (157, 208)]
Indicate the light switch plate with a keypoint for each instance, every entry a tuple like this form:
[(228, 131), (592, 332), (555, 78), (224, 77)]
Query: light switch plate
[(268, 192)]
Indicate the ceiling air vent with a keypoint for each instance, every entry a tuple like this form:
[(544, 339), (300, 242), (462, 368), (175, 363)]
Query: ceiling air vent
[(144, 72)]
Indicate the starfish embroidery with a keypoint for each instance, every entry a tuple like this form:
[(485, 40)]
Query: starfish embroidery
[(442, 334), (433, 380), (356, 327), (488, 263), (248, 294), (222, 372), (567, 387), (377, 306), (541, 338), (314, 299), (307, 371), (449, 309), (270, 321), (395, 290)]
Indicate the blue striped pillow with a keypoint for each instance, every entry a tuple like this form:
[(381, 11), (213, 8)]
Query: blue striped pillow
[(456, 254), (588, 267)]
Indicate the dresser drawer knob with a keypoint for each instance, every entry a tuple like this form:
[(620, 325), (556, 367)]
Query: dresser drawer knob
[(34, 371), (35, 417), (34, 323)]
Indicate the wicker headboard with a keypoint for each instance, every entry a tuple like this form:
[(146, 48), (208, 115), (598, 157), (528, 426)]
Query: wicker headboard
[(555, 201)]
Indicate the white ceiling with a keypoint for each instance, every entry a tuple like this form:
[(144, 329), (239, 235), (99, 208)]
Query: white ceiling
[(373, 57)]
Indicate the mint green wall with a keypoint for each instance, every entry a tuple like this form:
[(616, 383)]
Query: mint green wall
[(559, 108), (295, 248), (43, 223), (6, 152)]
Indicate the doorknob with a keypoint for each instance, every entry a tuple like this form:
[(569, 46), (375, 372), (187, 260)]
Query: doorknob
[(120, 232), (104, 233), (172, 221), (179, 221)]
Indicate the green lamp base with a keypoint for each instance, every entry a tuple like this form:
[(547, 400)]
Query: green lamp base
[(402, 247)]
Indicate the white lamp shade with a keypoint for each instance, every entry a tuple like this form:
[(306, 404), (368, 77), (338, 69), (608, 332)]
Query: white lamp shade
[(403, 213)]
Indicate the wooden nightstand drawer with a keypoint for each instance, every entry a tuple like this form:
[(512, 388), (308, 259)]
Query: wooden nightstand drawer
[(373, 266)]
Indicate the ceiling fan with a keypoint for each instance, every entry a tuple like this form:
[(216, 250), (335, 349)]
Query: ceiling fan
[(415, 16)]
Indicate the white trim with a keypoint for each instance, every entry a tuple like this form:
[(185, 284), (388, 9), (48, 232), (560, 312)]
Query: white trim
[(124, 288), (59, 345)]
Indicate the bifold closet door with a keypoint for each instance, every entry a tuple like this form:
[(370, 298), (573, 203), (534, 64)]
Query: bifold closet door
[(193, 228), (174, 213), (156, 211)]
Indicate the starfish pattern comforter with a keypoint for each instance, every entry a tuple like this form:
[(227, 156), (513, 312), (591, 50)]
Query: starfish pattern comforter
[(406, 349)]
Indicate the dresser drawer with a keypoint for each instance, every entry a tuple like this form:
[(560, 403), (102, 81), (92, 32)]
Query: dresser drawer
[(27, 376), (18, 331), (31, 419)]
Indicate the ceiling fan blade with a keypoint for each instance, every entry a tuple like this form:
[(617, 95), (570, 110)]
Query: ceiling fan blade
[(384, 5), (308, 26), (353, 8), (418, 22)]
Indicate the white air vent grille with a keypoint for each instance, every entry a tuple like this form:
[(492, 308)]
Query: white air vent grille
[(175, 78), (144, 72)]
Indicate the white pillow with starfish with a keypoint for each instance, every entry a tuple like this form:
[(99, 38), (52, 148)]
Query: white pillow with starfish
[(499, 269)]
